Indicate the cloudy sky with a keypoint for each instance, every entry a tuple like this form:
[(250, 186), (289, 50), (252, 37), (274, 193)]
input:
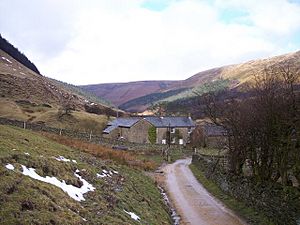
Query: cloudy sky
[(101, 41)]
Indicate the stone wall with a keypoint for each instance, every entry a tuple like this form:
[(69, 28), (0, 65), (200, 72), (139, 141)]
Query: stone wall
[(281, 205), (114, 134), (139, 132), (160, 135)]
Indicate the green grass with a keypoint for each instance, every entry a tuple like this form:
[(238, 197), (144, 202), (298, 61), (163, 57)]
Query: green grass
[(211, 151), (24, 200), (249, 214)]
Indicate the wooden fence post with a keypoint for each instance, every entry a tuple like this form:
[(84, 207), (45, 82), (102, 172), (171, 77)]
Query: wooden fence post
[(24, 125)]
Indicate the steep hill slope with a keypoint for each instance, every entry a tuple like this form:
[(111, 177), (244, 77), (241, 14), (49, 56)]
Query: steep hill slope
[(28, 96), (44, 182), (139, 97)]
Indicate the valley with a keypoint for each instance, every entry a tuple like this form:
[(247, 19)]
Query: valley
[(220, 147)]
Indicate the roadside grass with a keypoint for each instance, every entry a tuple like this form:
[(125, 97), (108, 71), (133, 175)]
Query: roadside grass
[(212, 151), (249, 214), (24, 200)]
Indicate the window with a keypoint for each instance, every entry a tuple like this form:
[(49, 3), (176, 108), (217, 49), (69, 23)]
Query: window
[(181, 141), (172, 130)]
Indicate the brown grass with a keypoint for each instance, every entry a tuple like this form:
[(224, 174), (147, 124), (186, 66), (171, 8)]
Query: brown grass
[(120, 157)]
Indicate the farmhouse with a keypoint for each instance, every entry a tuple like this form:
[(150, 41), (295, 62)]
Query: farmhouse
[(155, 130)]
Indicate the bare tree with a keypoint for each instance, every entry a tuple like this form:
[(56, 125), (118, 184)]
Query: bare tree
[(263, 129)]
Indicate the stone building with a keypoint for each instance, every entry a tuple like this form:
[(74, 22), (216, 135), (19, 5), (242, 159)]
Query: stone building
[(177, 130), (209, 135)]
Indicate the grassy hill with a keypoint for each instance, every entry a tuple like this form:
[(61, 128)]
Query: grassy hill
[(121, 190), (137, 96), (145, 101), (183, 94), (119, 93), (28, 96)]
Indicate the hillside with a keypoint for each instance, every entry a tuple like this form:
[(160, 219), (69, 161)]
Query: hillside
[(28, 96), (119, 93), (137, 97), (44, 182)]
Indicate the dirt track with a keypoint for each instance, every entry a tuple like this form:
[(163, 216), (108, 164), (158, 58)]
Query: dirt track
[(194, 204)]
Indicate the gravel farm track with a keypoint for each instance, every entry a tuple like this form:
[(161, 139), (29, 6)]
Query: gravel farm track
[(191, 200)]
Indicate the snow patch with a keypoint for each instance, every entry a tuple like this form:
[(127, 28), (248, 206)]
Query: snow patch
[(106, 173), (63, 159), (7, 60), (74, 192), (101, 175), (9, 166), (133, 215)]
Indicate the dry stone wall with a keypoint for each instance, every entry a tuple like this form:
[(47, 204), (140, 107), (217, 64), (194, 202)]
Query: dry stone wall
[(281, 205)]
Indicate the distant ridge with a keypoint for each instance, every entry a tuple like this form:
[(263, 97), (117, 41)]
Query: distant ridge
[(140, 95), (16, 54)]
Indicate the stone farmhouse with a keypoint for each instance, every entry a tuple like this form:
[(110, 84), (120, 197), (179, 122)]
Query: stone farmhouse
[(155, 130)]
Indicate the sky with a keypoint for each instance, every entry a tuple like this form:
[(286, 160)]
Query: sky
[(104, 41)]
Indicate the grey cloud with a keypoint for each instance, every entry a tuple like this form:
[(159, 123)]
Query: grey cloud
[(40, 26)]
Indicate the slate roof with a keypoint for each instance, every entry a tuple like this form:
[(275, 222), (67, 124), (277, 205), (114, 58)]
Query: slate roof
[(121, 122), (170, 121), (108, 129), (124, 122), (158, 122), (214, 130)]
